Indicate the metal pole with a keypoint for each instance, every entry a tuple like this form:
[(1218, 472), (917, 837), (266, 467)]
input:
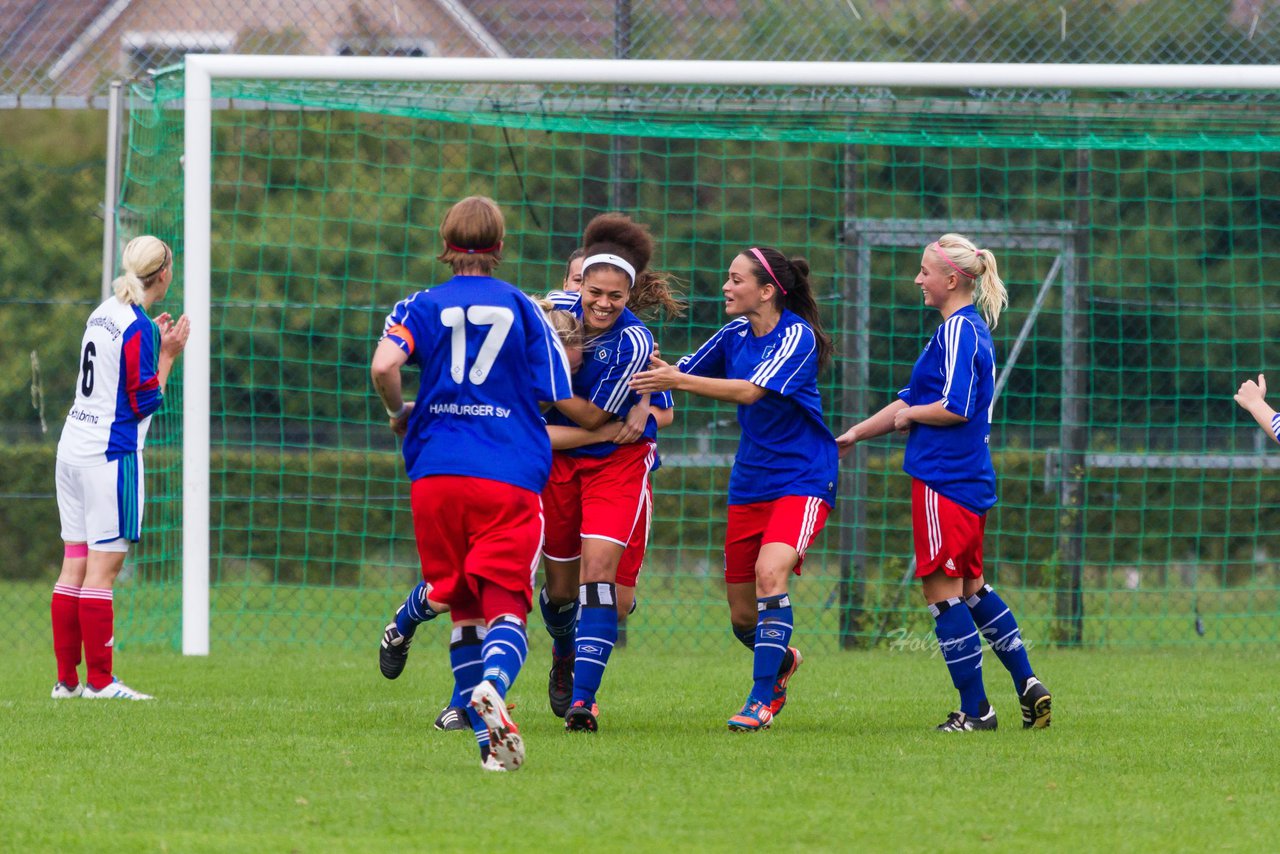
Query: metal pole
[(621, 197), (110, 198), (855, 344), (1070, 595)]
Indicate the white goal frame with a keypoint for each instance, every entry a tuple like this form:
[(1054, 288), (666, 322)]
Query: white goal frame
[(201, 69)]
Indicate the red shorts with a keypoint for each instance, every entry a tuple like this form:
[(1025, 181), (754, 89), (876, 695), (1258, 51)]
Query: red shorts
[(792, 519), (946, 535), (633, 558), (595, 498), (471, 529)]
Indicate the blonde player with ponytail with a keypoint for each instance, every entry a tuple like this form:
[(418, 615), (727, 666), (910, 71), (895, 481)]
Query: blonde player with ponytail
[(946, 413), (125, 360)]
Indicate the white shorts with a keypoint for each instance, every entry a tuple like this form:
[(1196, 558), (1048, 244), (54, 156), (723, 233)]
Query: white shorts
[(101, 505)]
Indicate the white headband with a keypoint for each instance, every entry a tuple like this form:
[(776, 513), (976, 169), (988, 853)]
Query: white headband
[(606, 258)]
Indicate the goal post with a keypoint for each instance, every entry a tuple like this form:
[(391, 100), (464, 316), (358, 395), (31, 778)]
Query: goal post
[(851, 82)]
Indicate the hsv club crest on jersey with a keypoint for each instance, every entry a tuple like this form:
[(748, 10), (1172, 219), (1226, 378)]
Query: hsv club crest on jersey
[(786, 447)]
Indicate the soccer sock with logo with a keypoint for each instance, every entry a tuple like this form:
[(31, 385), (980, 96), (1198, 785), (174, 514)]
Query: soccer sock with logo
[(561, 621), (414, 610), (64, 610), (996, 623), (747, 637), (962, 650), (505, 648), (597, 633), (466, 656), (97, 621), (773, 633)]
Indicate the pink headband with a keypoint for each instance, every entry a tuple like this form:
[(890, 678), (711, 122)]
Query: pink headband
[(945, 257), (760, 257)]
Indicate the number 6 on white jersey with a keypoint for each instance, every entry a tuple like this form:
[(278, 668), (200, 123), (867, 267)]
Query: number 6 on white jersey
[(499, 321)]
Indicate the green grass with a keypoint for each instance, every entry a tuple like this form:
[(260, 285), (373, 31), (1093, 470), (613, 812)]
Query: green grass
[(312, 751)]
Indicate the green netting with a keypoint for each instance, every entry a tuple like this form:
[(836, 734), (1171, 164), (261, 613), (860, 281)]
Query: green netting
[(1135, 235)]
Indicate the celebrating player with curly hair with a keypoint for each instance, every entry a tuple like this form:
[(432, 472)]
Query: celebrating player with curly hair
[(597, 498)]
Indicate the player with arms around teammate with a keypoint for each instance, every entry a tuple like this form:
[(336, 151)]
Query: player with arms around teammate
[(125, 360), (597, 497), (946, 412), (476, 452), (783, 482)]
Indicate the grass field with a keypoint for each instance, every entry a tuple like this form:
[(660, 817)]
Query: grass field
[(310, 751)]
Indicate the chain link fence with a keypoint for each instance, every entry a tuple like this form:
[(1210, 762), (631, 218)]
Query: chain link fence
[(64, 53)]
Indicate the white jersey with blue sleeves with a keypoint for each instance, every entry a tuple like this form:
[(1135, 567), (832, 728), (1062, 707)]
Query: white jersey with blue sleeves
[(117, 388)]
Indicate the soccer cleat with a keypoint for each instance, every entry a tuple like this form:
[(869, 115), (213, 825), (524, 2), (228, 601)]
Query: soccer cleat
[(505, 742), (582, 718), (780, 685), (560, 684), (491, 763), (62, 692), (452, 718), (117, 690), (754, 717), (394, 651), (960, 722), (1037, 705)]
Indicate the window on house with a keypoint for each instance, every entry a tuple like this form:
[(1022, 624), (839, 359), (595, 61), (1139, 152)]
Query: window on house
[(145, 51), (383, 46)]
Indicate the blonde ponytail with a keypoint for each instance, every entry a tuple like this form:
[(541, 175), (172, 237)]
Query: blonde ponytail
[(144, 259), (978, 266)]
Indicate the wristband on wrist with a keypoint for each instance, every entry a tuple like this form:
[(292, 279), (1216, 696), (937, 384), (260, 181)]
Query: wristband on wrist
[(398, 414)]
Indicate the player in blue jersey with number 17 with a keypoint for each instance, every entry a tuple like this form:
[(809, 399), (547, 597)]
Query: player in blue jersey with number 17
[(476, 452), (783, 482), (946, 412)]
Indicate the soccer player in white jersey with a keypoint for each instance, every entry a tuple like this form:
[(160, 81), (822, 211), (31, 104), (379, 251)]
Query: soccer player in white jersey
[(946, 412), (476, 453), (125, 359), (783, 482)]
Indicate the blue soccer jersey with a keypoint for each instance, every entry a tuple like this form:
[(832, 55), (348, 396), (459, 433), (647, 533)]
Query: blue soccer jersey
[(609, 360), (786, 447), (958, 367), (118, 388), (487, 356)]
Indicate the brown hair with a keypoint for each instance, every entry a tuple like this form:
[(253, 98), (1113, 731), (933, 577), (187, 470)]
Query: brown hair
[(617, 234), (568, 263), (472, 234), (790, 278)]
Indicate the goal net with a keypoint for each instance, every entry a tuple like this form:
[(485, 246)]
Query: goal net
[(1134, 223)]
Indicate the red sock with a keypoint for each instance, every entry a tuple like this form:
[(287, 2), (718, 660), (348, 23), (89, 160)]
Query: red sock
[(64, 610), (97, 624)]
